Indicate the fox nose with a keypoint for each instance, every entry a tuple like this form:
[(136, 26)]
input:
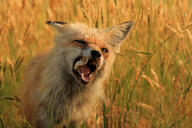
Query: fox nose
[(95, 54)]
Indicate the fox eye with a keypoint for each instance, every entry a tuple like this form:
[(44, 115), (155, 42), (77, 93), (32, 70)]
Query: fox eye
[(104, 50), (81, 42)]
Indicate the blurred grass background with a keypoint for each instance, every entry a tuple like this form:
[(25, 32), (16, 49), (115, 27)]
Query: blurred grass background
[(150, 84)]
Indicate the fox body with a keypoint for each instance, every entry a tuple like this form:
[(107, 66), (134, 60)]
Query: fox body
[(63, 85)]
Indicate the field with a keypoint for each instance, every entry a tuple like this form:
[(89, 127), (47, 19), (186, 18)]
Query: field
[(151, 81)]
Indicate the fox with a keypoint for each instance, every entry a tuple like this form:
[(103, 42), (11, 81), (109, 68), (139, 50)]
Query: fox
[(62, 86)]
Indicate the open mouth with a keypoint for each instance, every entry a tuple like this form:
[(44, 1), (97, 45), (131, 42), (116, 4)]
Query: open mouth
[(85, 69)]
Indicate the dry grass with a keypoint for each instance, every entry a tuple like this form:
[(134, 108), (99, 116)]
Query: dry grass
[(150, 85)]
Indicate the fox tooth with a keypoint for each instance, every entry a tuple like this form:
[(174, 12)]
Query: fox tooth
[(84, 59), (79, 71), (81, 62), (78, 64)]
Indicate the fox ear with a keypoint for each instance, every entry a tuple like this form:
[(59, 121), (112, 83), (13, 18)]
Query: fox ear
[(116, 34), (58, 25)]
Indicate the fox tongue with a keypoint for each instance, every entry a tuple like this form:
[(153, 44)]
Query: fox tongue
[(85, 72)]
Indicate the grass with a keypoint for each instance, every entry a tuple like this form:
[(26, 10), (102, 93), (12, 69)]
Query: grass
[(150, 84)]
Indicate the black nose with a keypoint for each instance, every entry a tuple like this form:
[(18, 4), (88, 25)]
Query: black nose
[(95, 53)]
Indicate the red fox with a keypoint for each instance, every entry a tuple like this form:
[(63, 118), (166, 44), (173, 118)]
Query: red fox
[(63, 85)]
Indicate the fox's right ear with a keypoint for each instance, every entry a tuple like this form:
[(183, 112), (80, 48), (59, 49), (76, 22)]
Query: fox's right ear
[(116, 34), (58, 25)]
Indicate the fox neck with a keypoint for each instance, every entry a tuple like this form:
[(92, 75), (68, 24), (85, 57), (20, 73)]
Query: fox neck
[(67, 90)]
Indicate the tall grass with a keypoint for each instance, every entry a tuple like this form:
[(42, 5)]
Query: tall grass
[(150, 84)]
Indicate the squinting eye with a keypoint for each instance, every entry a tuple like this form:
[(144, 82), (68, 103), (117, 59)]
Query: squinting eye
[(104, 50), (81, 42)]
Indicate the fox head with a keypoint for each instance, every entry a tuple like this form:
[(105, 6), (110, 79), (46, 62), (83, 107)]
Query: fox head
[(87, 52)]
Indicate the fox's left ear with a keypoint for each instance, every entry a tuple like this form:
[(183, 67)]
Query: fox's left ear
[(116, 34), (58, 25)]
